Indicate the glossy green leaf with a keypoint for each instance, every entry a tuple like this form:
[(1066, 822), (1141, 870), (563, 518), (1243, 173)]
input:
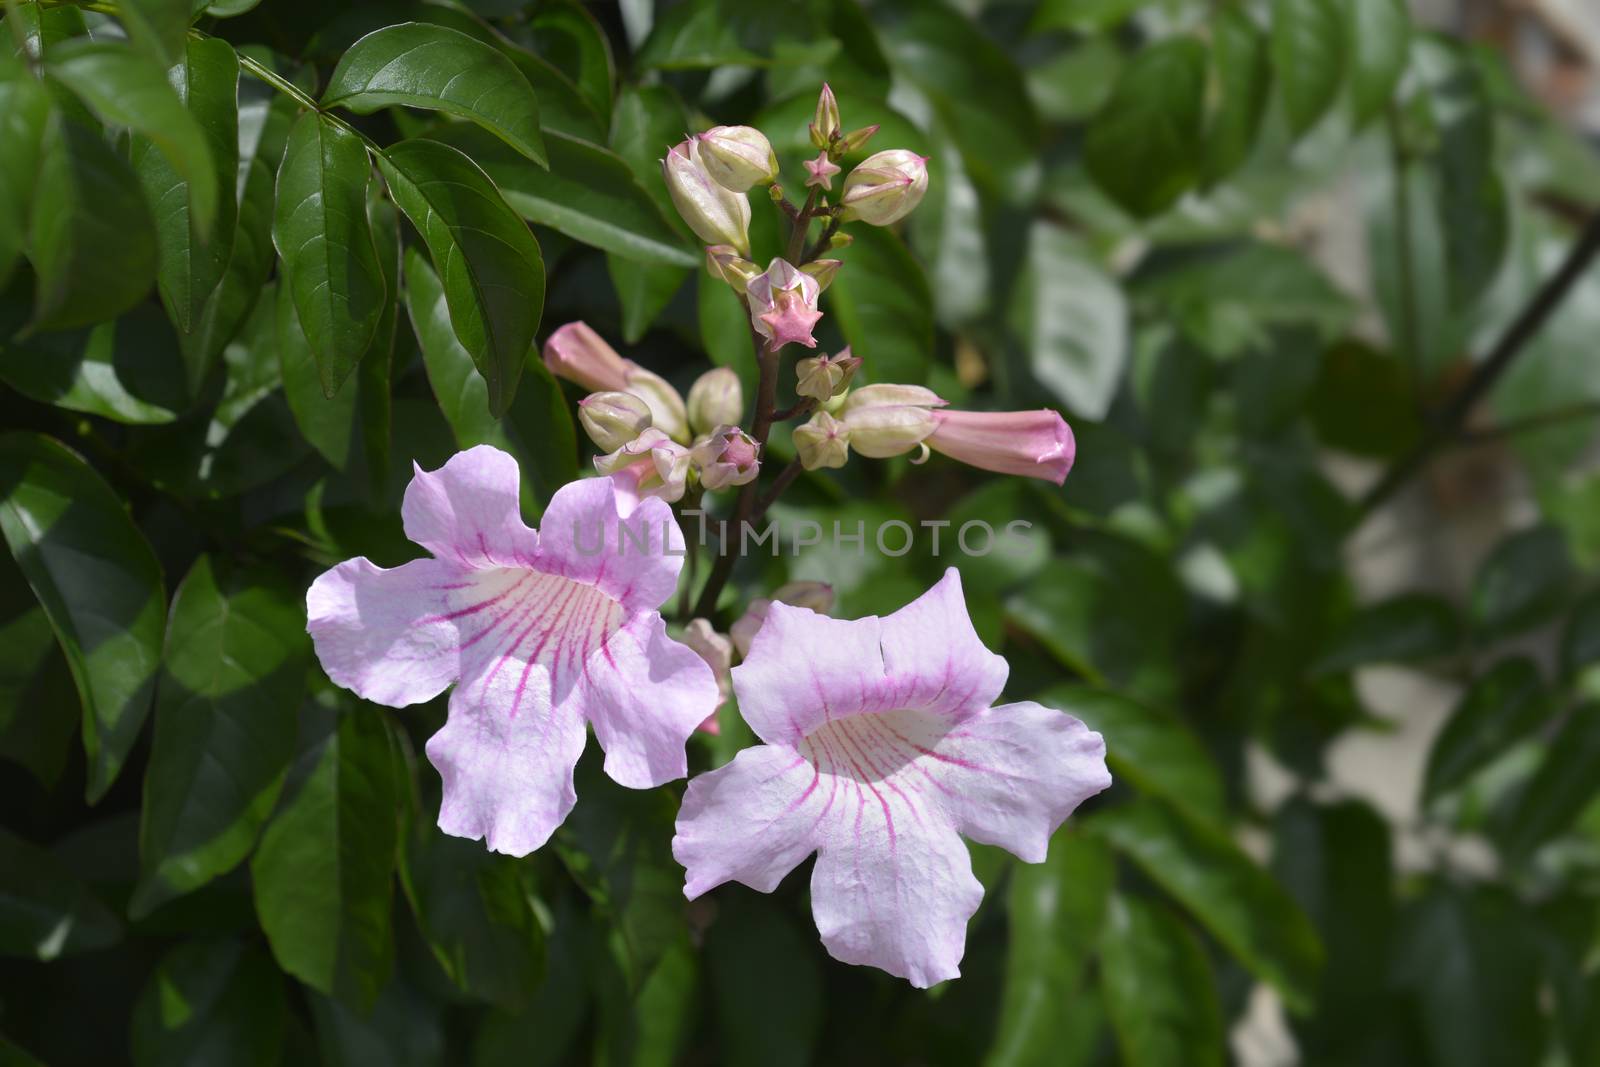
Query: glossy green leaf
[(324, 871), (439, 69), (1056, 911), (160, 27), (1403, 629), (328, 422), (1073, 319), (1566, 781), (649, 119), (1380, 42), (99, 583), (712, 33), (1159, 991), (211, 1001), (1243, 70), (766, 983), (34, 683), (24, 114), (1525, 581), (1580, 638), (1152, 750), (1146, 146), (233, 675), (486, 258), (91, 236), (378, 365), (195, 241), (330, 262), (643, 291), (405, 1028), (542, 1033), (1083, 16), (588, 193), (1362, 402), (881, 299), (45, 912), (948, 229), (1238, 902), (538, 429), (1308, 56), (1504, 705), (126, 88)]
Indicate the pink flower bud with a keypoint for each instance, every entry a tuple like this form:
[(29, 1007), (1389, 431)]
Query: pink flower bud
[(717, 650), (738, 157), (783, 305), (856, 139), (667, 411), (820, 171), (824, 377), (655, 464), (716, 399), (717, 214), (613, 419), (824, 441), (578, 354), (727, 456), (1034, 444), (885, 187), (889, 420), (825, 123), (813, 596), (724, 261)]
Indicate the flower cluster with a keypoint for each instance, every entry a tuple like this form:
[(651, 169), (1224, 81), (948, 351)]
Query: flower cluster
[(882, 744)]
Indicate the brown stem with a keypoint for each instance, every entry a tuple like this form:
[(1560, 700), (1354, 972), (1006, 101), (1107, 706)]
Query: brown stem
[(800, 410), (822, 242), (1539, 420), (797, 231), (784, 479), (1511, 344)]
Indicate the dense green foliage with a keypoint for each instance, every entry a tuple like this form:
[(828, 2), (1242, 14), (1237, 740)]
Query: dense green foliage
[(259, 258)]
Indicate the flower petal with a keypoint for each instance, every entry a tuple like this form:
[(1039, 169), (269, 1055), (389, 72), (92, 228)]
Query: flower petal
[(934, 659), (635, 560), (805, 669), (645, 694), (390, 636), (468, 511), (750, 821), (893, 894)]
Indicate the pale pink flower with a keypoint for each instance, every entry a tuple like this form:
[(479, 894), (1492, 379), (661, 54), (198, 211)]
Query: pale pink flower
[(1034, 444), (813, 596), (543, 633), (726, 457), (881, 750), (783, 305), (651, 465)]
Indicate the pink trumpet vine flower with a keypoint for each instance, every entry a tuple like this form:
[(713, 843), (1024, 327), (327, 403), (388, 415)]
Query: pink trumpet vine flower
[(1034, 444), (543, 633), (881, 750)]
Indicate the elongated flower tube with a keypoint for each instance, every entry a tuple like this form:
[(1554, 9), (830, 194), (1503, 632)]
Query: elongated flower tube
[(578, 354), (717, 214), (881, 750), (783, 305), (1034, 444), (542, 632)]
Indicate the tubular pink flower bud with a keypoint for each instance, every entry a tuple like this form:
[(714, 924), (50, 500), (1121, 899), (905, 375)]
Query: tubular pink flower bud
[(715, 399), (727, 456), (717, 651), (889, 420), (783, 305), (738, 157), (813, 596), (824, 377), (885, 187), (653, 463), (725, 262), (823, 441), (613, 419), (717, 215), (820, 171), (578, 354), (1034, 444), (825, 123)]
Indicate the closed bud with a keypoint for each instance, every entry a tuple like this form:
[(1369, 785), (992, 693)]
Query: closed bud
[(652, 464), (824, 441), (889, 420), (825, 123), (841, 240), (824, 377), (724, 261), (717, 650), (715, 399), (738, 157), (613, 419), (885, 187), (783, 305), (717, 214), (822, 270), (667, 412), (725, 457), (855, 139)]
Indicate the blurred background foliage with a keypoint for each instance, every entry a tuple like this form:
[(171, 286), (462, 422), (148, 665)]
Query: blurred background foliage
[(1323, 575)]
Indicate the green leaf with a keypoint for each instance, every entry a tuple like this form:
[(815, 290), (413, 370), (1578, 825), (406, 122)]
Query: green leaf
[(1308, 56), (1242, 67), (1249, 913), (475, 910), (1159, 990), (644, 291), (127, 369), (405, 1028), (322, 235), (1580, 638), (1380, 43), (323, 873), (766, 983), (1073, 320), (541, 1034), (97, 580), (538, 428), (1362, 402), (160, 27), (1566, 781), (377, 366), (884, 308), (1152, 750), (234, 671), (328, 422), (1504, 705), (196, 229), (92, 239), (45, 912), (948, 229), (1146, 145), (1056, 911), (24, 115), (569, 36), (649, 119), (588, 193), (125, 88), (713, 33), (34, 683), (211, 1001), (1526, 580), (1403, 629), (1083, 16), (485, 256), (439, 69)]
